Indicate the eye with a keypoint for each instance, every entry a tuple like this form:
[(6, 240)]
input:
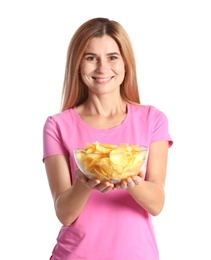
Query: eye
[(113, 57), (91, 58)]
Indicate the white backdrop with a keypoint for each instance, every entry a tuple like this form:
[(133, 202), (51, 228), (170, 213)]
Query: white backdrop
[(172, 42)]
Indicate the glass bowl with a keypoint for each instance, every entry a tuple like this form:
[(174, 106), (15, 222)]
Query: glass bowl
[(114, 164)]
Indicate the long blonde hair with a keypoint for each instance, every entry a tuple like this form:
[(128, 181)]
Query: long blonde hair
[(74, 90)]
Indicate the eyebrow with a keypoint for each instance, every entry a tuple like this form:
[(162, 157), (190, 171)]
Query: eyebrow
[(108, 54)]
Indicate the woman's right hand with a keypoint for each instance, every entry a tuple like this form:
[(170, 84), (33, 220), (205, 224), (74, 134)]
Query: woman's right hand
[(95, 184)]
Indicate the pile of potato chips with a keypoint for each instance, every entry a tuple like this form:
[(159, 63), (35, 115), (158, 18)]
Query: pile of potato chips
[(111, 162)]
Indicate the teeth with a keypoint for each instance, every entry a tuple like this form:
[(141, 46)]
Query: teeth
[(102, 79)]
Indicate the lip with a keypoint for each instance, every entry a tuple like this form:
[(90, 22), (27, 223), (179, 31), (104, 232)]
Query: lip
[(102, 80)]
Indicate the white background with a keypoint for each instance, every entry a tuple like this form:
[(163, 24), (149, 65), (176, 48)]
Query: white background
[(172, 43)]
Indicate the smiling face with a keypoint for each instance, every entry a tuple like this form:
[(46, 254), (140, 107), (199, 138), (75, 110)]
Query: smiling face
[(102, 68)]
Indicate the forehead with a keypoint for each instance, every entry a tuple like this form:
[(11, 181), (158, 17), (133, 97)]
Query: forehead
[(105, 43)]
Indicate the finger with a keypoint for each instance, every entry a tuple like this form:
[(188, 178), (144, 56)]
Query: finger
[(137, 179), (123, 185), (130, 183), (93, 183), (104, 186), (142, 172), (107, 189)]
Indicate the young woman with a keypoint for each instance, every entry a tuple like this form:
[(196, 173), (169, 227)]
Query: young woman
[(100, 102)]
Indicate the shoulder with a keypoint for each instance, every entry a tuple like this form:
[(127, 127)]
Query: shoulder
[(59, 120), (61, 116), (147, 110), (148, 114), (152, 120)]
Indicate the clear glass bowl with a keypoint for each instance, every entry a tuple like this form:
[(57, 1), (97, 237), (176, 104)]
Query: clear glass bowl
[(113, 166)]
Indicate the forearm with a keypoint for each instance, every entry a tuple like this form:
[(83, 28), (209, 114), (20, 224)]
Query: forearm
[(70, 203), (149, 196)]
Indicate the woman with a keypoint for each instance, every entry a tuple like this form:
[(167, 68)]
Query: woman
[(100, 102)]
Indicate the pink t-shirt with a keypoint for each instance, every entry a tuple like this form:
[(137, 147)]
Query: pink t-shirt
[(112, 226)]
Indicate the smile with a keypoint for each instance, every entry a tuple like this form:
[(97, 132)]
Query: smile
[(102, 79)]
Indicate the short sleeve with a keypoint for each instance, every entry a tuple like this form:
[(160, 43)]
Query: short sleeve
[(160, 131), (52, 140)]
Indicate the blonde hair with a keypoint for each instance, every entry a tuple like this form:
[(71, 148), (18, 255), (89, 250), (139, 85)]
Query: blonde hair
[(74, 90)]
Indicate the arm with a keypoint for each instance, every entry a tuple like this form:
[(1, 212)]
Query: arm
[(149, 193), (69, 199)]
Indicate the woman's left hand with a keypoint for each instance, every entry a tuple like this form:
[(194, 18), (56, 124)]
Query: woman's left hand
[(131, 181), (128, 183)]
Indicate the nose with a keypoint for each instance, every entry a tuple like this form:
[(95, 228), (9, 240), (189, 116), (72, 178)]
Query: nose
[(102, 66)]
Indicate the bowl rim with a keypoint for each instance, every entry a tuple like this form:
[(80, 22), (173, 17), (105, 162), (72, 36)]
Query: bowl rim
[(82, 150)]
